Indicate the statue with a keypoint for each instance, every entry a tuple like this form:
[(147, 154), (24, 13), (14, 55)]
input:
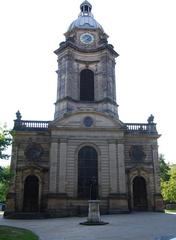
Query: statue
[(150, 119), (151, 125), (94, 217), (93, 188), (18, 116)]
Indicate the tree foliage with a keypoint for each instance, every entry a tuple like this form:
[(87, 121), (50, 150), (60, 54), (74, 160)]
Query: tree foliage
[(5, 174), (5, 177), (5, 141), (168, 183), (164, 169)]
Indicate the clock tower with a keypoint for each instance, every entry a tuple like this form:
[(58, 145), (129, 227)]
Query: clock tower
[(86, 68)]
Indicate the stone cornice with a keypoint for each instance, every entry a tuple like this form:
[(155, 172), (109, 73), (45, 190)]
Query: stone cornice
[(87, 63), (106, 100), (33, 166), (69, 44)]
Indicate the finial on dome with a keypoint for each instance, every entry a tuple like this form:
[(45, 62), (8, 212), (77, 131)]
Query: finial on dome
[(86, 8)]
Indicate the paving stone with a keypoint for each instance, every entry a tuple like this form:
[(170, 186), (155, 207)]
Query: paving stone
[(134, 226)]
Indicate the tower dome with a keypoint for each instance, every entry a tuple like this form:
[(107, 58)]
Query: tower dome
[(85, 19)]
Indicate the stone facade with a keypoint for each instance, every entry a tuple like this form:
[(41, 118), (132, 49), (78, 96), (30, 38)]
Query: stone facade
[(49, 158)]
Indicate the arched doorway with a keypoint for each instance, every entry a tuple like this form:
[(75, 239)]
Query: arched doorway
[(87, 85), (88, 173), (31, 194), (139, 194)]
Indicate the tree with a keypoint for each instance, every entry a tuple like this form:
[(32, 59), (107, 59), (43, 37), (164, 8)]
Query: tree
[(5, 174), (164, 169), (5, 141), (169, 187), (5, 177)]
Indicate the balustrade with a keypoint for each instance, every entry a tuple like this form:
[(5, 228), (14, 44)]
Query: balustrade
[(27, 125), (141, 128), (130, 128)]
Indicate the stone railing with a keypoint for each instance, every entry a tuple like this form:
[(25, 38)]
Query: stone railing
[(26, 125), (129, 128), (140, 128)]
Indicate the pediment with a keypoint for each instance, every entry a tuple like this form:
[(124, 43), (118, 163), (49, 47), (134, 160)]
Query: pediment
[(89, 120)]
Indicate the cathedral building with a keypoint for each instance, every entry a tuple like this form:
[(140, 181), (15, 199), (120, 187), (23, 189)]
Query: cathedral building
[(86, 151)]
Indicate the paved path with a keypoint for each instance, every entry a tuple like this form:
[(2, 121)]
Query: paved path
[(134, 226)]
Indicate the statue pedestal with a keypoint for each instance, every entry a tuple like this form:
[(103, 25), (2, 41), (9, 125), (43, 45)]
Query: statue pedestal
[(94, 214)]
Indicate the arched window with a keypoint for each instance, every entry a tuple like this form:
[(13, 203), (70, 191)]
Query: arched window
[(31, 194), (87, 85), (88, 173)]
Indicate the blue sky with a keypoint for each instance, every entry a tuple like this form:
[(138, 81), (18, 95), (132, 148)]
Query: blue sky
[(142, 32)]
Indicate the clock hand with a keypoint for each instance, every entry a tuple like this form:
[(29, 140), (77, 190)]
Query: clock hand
[(88, 37)]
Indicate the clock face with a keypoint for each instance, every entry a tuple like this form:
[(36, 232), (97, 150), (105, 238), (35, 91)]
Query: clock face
[(87, 38)]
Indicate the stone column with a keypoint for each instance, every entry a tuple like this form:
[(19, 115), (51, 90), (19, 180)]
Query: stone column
[(53, 165), (157, 195)]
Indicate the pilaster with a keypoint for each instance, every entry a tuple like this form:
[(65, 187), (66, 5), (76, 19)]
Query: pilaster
[(118, 202), (11, 196), (53, 165), (156, 168), (57, 198), (62, 165), (157, 195), (13, 166), (121, 167), (113, 167)]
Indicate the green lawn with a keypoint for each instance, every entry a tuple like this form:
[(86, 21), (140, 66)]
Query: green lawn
[(9, 233), (170, 211)]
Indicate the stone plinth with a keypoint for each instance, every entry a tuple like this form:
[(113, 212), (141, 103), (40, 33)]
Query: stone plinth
[(94, 214), (94, 211)]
